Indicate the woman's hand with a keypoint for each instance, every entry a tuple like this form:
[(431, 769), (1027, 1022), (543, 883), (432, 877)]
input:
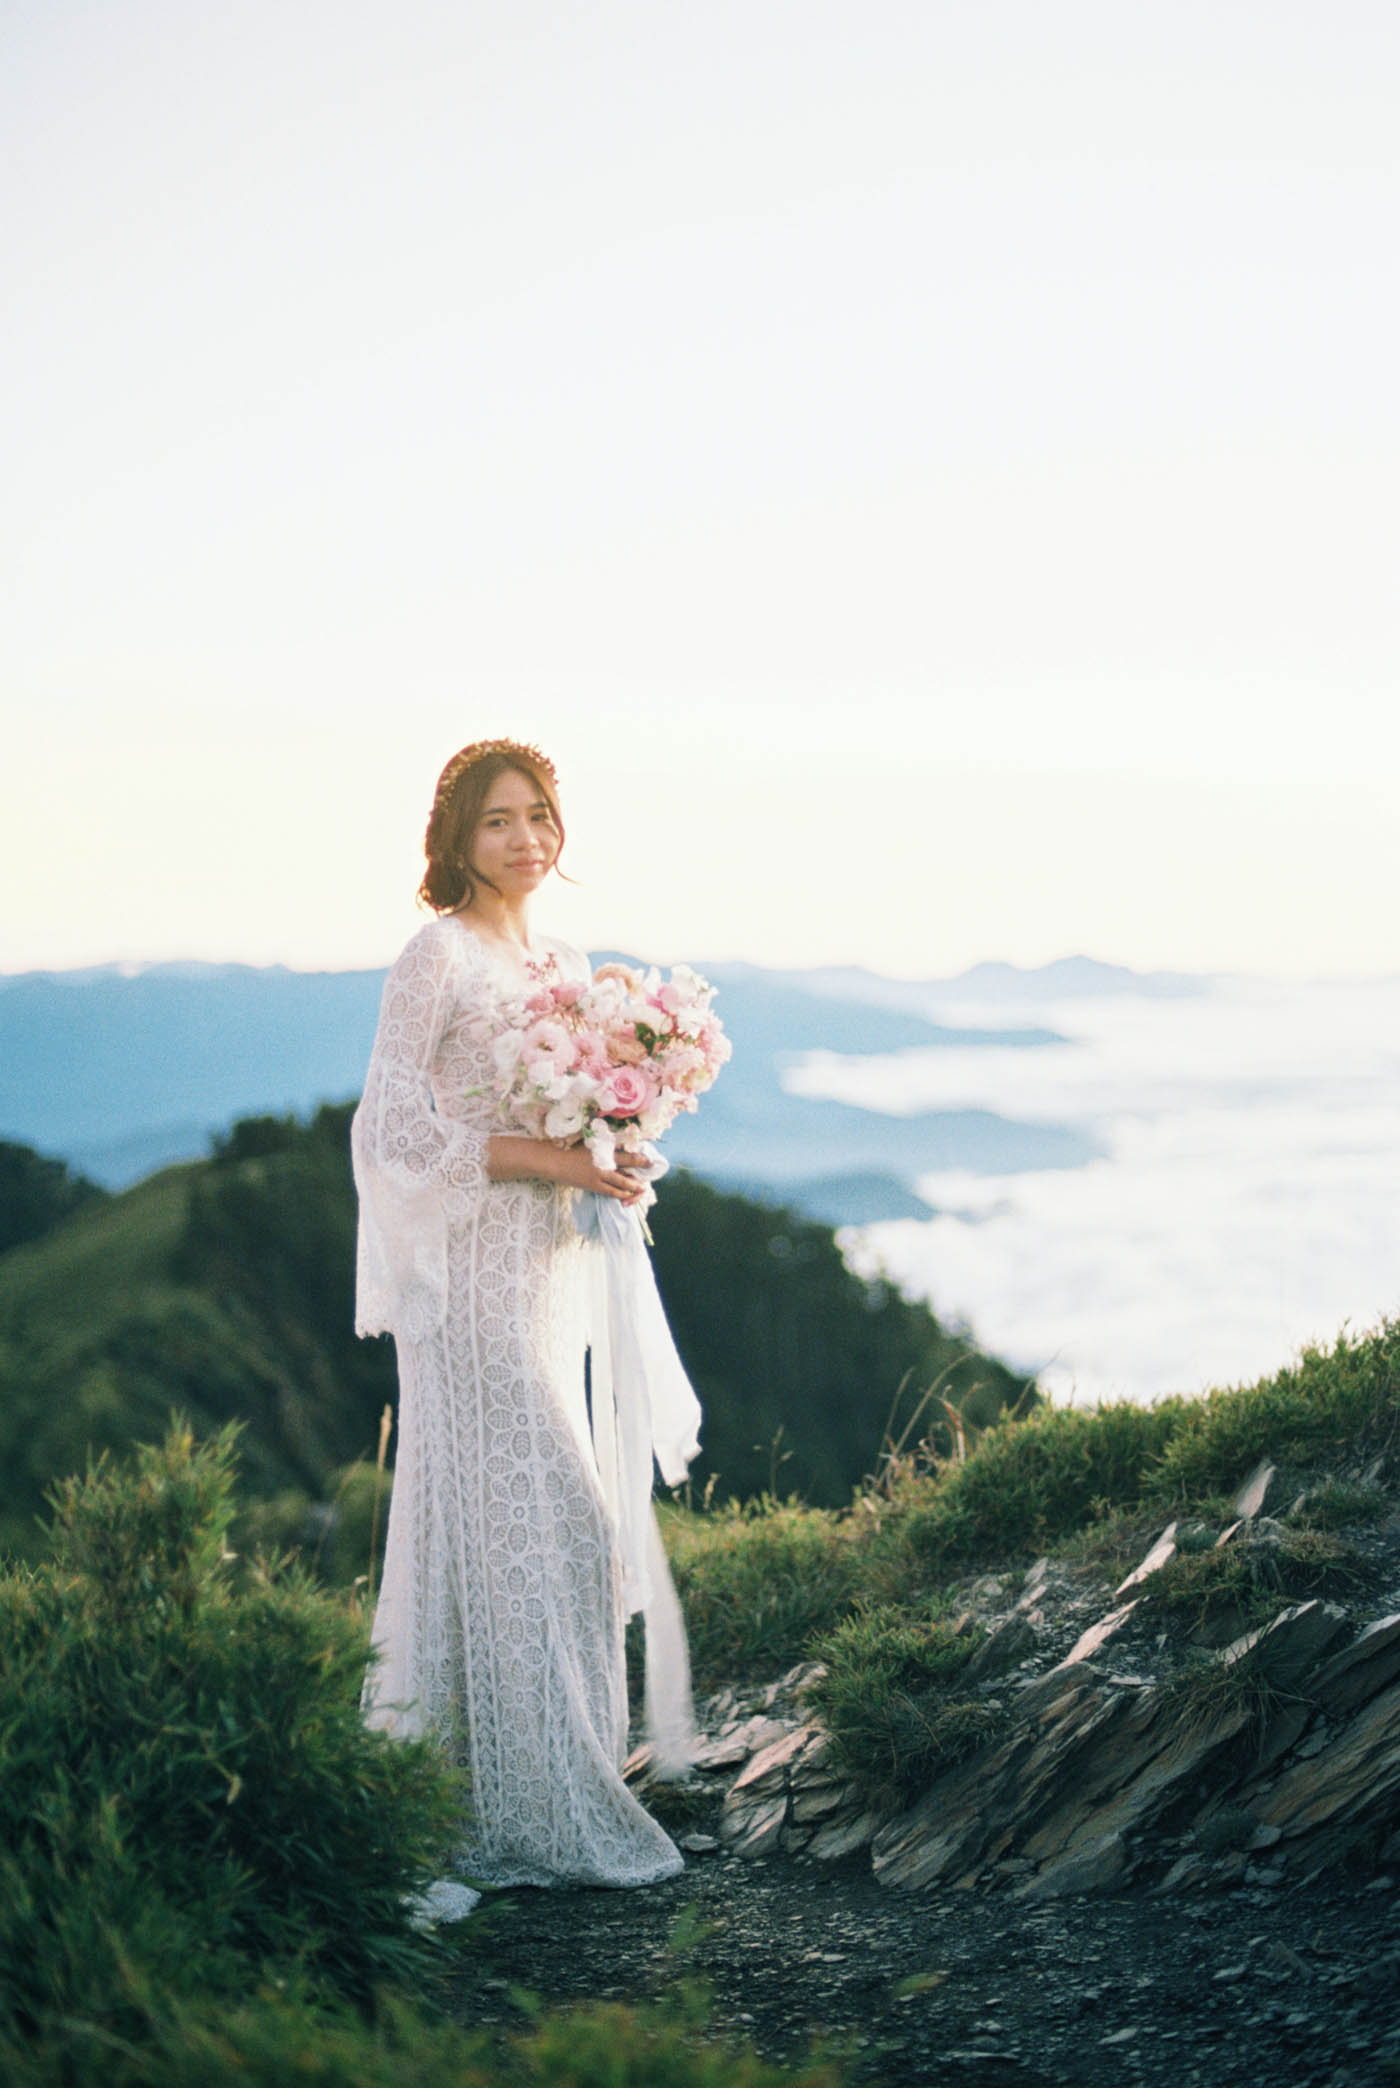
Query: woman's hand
[(573, 1167)]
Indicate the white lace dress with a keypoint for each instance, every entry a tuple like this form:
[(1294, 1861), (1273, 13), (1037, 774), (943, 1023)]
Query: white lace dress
[(500, 1619)]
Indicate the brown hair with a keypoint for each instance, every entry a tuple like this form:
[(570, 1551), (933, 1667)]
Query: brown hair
[(460, 799)]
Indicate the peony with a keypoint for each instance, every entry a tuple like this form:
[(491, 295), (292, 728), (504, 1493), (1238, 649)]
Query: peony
[(548, 1036), (565, 1118)]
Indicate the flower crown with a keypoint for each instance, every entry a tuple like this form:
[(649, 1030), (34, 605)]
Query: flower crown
[(468, 757)]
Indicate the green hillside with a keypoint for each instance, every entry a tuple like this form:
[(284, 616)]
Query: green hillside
[(224, 1288)]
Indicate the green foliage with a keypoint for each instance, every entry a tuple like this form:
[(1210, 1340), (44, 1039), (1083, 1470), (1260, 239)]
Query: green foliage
[(337, 1539), (37, 1194), (188, 1795), (208, 1855), (1029, 1481), (1339, 1504), (1330, 1396), (891, 1701), (797, 1361), (279, 2037), (761, 1587), (226, 1288), (608, 2045), (756, 1583), (1253, 1578), (1237, 1697), (270, 1232)]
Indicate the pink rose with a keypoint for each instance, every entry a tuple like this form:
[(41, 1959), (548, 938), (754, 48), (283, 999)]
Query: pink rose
[(625, 1091)]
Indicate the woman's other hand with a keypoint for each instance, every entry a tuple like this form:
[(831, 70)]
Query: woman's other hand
[(573, 1167)]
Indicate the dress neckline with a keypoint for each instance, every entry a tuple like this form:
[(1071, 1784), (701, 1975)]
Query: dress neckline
[(535, 967)]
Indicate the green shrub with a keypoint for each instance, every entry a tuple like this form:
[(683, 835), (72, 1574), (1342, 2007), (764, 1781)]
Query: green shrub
[(1330, 1396), (1339, 1504), (187, 1791), (757, 1582), (278, 2037), (891, 1702), (1030, 1481), (1253, 1578), (336, 1540)]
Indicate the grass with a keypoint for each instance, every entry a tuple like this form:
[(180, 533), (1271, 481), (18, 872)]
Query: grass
[(1033, 1482), (1254, 1579), (1338, 1504), (759, 1583), (891, 1700)]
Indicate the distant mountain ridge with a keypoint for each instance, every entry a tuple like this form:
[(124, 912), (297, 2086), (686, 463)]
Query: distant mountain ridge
[(121, 1068), (995, 983)]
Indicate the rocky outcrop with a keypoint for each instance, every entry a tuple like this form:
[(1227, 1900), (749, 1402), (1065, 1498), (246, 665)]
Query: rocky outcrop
[(1269, 1759)]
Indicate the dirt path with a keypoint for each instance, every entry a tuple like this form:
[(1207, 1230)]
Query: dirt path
[(1293, 1987)]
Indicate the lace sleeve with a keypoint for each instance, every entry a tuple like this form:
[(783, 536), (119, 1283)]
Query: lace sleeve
[(412, 1165)]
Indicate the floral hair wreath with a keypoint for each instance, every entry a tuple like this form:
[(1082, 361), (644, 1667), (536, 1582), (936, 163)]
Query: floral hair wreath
[(468, 757)]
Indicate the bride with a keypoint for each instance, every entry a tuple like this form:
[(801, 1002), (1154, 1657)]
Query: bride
[(500, 1622)]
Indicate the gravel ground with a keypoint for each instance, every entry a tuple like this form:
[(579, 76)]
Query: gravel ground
[(1290, 1986)]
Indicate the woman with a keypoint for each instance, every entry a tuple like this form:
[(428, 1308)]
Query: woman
[(500, 1619)]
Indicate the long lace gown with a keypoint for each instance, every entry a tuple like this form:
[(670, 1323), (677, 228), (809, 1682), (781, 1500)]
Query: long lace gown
[(500, 1619)]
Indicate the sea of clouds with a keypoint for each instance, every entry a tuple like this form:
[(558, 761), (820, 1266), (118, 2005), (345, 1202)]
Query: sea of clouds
[(1248, 1200)]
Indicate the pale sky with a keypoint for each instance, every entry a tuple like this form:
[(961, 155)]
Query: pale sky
[(926, 471)]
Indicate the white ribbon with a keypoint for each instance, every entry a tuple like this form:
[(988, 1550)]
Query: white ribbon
[(644, 1410)]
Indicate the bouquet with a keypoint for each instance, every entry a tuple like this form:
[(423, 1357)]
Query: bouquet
[(613, 1062)]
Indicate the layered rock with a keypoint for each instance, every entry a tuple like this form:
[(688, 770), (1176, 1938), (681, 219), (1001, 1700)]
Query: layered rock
[(1271, 1758)]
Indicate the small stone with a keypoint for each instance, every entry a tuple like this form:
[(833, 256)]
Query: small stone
[(1230, 1975), (753, 1830), (1361, 1670), (698, 1844), (1288, 1647), (1284, 1960), (1253, 1495), (843, 1838), (1096, 1637), (1155, 1560), (722, 1753), (768, 1766), (1002, 1649), (817, 1801)]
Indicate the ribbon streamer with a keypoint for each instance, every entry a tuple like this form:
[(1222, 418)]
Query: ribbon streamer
[(644, 1411)]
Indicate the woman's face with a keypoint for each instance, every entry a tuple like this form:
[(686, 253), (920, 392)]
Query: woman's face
[(516, 840)]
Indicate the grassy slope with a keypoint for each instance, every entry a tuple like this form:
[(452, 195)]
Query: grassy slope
[(74, 1277), (223, 1289), (98, 1341), (763, 1589)]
